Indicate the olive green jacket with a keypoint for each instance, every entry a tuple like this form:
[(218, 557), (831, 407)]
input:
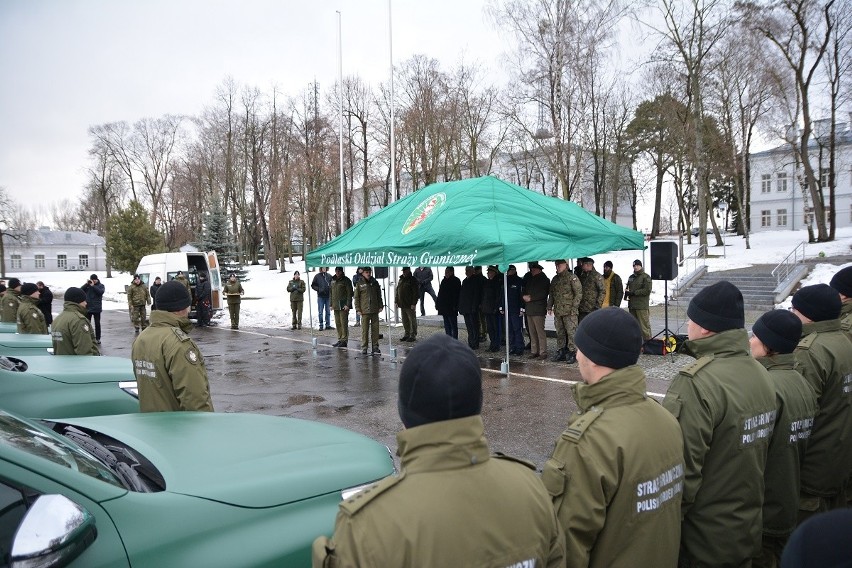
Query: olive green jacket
[(71, 332), (138, 295), (725, 404), (593, 291), (233, 291), (341, 292), (297, 290), (368, 297), (30, 318), (451, 505), (846, 319), (565, 294), (616, 476), (169, 368), (825, 357), (407, 291), (797, 406), (183, 280), (11, 301), (639, 285)]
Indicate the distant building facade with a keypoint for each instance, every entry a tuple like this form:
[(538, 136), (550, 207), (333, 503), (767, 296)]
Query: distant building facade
[(777, 202), (43, 250)]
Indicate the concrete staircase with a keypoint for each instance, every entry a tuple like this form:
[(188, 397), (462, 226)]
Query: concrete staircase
[(756, 283)]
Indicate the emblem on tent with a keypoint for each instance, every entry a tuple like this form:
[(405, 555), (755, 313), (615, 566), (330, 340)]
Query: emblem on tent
[(423, 210)]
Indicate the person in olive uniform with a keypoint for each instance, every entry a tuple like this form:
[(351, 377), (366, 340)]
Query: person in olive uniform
[(616, 474), (369, 303), (180, 277), (138, 299), (725, 405), (775, 336), (563, 302), (407, 294), (30, 318), (535, 295), (11, 300), (233, 291), (72, 334), (842, 282), (613, 287), (341, 303), (825, 357), (453, 503), (593, 289), (168, 365), (638, 294), (297, 288)]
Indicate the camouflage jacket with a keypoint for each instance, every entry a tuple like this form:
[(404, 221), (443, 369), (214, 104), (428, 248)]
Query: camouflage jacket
[(565, 294), (593, 291)]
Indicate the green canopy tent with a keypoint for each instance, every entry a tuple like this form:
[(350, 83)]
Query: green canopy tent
[(474, 221)]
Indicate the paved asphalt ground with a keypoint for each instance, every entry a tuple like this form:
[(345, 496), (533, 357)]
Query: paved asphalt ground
[(280, 372)]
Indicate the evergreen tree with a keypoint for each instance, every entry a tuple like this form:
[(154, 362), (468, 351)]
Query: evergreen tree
[(216, 235), (130, 237)]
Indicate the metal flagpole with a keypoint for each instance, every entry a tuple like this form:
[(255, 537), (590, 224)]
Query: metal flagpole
[(340, 93)]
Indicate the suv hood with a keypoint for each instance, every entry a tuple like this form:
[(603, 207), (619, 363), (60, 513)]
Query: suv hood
[(247, 460), (75, 369)]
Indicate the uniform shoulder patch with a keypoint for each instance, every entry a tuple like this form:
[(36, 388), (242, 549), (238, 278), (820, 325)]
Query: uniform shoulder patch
[(577, 428), (807, 341), (193, 356), (357, 502), (180, 334), (502, 456), (691, 370)]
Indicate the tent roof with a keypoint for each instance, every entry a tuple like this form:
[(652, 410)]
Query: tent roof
[(474, 222)]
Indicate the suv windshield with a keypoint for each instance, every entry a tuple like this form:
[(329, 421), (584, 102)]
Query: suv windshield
[(23, 436)]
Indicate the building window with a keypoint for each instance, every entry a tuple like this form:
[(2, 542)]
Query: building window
[(782, 182), (823, 178), (782, 218), (766, 218), (765, 183), (83, 261), (39, 261), (61, 261), (16, 262)]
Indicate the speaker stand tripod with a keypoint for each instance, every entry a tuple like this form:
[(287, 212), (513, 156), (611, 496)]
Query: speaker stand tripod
[(666, 332)]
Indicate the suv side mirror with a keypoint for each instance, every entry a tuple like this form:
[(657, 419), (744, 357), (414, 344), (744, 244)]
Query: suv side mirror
[(53, 532)]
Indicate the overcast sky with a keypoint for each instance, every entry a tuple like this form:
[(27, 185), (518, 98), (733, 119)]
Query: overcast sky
[(66, 65)]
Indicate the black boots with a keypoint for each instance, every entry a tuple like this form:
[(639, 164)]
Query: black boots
[(560, 355)]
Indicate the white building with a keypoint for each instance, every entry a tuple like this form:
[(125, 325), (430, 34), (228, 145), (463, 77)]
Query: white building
[(43, 250), (777, 202)]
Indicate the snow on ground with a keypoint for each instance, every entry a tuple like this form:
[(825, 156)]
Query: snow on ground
[(267, 303)]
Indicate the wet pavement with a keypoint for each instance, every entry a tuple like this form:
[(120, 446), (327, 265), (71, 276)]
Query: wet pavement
[(280, 372)]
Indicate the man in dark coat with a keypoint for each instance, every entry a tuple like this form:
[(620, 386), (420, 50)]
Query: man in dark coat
[(153, 290), (514, 292), (423, 275), (469, 299), (45, 302), (94, 303), (492, 307), (203, 303), (448, 302)]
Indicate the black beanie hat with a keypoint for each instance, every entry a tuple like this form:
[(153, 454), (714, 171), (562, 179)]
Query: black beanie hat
[(610, 337), (779, 330), (842, 281), (173, 297), (14, 283), (718, 307), (440, 380), (75, 295), (28, 288), (93, 276), (819, 302)]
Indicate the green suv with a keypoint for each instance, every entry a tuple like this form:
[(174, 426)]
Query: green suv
[(176, 489)]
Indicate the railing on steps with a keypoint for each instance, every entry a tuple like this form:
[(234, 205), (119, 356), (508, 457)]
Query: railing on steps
[(796, 256), (699, 254)]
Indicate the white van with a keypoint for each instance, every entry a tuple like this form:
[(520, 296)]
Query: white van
[(166, 266)]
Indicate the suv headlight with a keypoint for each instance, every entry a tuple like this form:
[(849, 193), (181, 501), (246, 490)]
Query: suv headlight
[(130, 387)]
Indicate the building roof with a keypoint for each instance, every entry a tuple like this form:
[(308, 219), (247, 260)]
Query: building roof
[(44, 236)]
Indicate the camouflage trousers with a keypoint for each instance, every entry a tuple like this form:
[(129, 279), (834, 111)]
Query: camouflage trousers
[(139, 316), (565, 327)]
